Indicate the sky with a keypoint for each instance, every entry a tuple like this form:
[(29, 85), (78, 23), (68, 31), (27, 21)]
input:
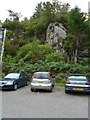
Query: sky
[(27, 7)]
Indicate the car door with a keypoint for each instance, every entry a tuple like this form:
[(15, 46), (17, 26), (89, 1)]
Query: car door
[(25, 79), (21, 79)]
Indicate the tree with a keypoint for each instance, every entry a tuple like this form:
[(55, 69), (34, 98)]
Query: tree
[(76, 25), (45, 13), (69, 46), (14, 34), (38, 11), (14, 15), (87, 32)]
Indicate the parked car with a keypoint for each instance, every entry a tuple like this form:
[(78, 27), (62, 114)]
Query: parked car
[(77, 83), (42, 80), (14, 80)]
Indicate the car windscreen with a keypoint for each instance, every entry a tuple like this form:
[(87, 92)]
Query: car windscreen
[(12, 76), (41, 75), (76, 79)]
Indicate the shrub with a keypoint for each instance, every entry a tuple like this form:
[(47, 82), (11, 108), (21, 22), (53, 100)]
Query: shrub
[(59, 78), (77, 68), (55, 57), (34, 51)]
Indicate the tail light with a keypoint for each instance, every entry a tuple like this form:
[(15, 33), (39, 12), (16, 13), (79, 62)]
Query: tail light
[(87, 83), (32, 76), (49, 76), (67, 82)]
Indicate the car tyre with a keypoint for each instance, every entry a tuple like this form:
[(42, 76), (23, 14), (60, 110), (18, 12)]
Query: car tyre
[(88, 93), (32, 90), (51, 90), (66, 92), (15, 87), (27, 83)]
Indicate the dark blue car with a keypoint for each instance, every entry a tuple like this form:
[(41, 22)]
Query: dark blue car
[(14, 81)]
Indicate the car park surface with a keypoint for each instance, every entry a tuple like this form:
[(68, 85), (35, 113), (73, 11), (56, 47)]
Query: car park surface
[(41, 104)]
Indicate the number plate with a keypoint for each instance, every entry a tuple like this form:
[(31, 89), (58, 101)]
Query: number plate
[(80, 89), (40, 82)]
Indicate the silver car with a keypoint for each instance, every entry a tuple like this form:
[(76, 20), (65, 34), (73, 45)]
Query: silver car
[(77, 83), (42, 80)]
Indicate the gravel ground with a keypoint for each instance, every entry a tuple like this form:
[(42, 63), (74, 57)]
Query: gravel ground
[(41, 104)]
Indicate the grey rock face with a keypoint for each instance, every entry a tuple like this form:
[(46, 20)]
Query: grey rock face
[(55, 36)]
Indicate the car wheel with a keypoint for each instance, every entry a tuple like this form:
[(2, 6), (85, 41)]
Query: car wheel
[(15, 87), (27, 83), (66, 92), (88, 93), (51, 90), (32, 90)]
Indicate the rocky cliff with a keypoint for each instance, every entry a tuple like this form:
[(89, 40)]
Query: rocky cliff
[(55, 36)]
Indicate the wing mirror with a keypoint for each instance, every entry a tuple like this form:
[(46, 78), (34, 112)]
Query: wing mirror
[(20, 77)]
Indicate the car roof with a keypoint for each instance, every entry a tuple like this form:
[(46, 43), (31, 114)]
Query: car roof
[(76, 74), (43, 72)]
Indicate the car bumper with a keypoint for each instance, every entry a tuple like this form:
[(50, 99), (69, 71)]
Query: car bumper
[(41, 86), (77, 89), (6, 87)]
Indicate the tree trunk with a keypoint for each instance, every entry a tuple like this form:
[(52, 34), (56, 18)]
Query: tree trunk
[(75, 57), (76, 50)]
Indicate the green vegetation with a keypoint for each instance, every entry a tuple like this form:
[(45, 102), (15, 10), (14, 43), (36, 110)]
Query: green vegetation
[(26, 49)]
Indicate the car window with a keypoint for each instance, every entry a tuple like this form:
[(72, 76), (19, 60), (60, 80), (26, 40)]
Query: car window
[(79, 78), (41, 75), (22, 75), (12, 75)]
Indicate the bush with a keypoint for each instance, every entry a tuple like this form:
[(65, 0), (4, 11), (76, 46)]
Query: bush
[(59, 78), (33, 57), (55, 57), (77, 68), (32, 52)]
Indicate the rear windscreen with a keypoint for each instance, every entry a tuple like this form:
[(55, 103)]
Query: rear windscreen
[(41, 75), (77, 79)]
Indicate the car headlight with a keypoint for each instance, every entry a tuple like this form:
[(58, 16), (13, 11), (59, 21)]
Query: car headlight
[(9, 83)]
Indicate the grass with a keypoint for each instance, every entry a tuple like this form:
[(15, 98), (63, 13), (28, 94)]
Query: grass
[(59, 84)]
